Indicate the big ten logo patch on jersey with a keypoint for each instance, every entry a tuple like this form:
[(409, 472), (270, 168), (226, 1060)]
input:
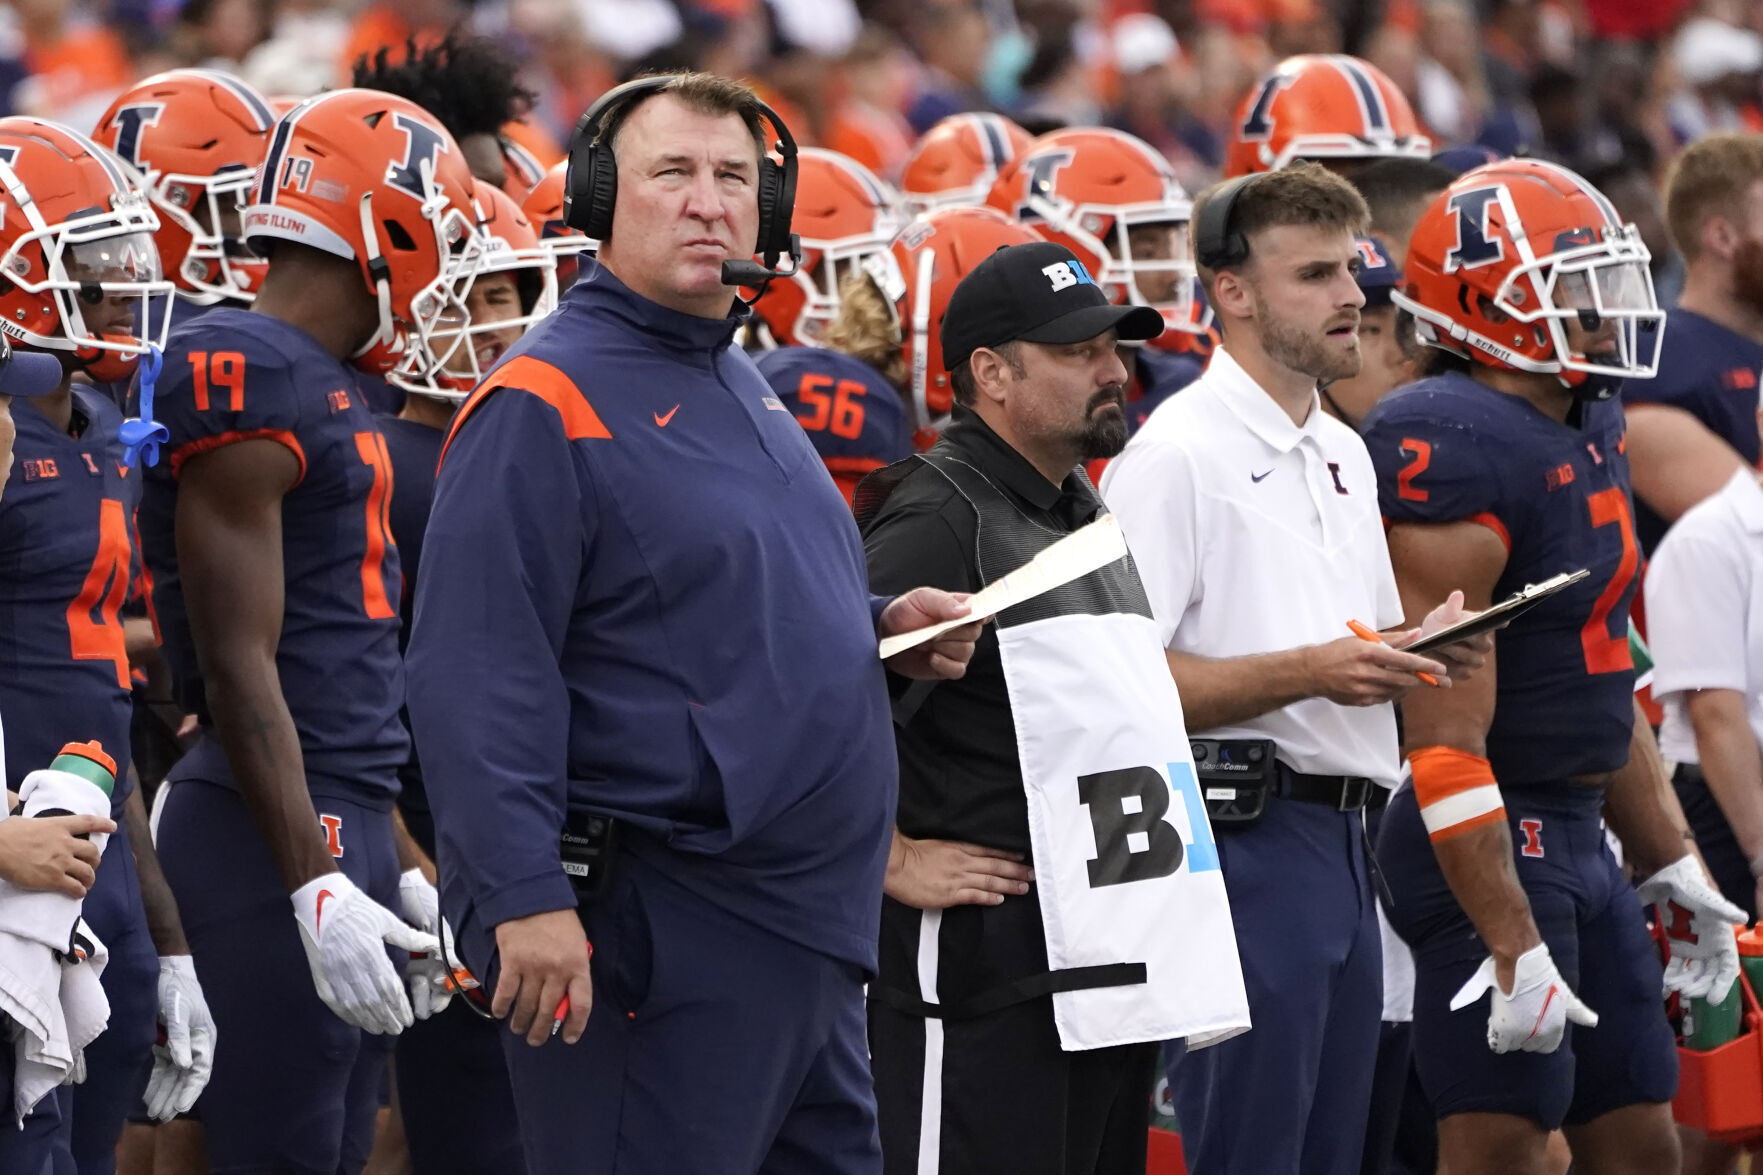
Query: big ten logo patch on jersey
[(1739, 379), (1533, 837), (1133, 840), (1065, 274), (41, 469), (338, 400), (333, 833)]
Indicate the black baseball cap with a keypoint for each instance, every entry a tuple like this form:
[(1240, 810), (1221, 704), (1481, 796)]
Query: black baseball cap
[(1039, 293)]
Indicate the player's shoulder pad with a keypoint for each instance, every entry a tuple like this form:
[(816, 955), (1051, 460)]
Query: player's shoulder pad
[(265, 344), (785, 367), (1437, 447)]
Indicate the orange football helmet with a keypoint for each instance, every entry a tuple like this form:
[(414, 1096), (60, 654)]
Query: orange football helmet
[(195, 138), (459, 360), (1505, 258), (1089, 189), (1322, 106), (524, 169), (843, 214), (77, 234), (916, 275), (374, 178), (544, 209), (956, 161)]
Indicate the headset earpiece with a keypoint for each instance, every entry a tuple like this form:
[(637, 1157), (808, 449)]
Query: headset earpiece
[(1216, 245)]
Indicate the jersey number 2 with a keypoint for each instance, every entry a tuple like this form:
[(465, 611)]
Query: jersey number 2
[(93, 631), (1605, 653), (372, 447)]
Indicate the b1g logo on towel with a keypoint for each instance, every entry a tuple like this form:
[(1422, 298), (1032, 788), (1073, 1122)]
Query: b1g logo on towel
[(1133, 841)]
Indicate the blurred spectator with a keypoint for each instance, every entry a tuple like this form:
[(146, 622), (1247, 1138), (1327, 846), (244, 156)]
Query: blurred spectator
[(1057, 87), (1718, 66), (1508, 51), (866, 123), (1451, 95), (1153, 93), (952, 38), (1628, 183), (77, 65), (304, 52), (219, 34), (1569, 133)]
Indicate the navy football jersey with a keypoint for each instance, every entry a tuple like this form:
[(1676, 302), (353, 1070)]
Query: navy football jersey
[(235, 375), (1711, 373), (66, 566), (855, 418), (1448, 449), (415, 450), (1156, 375)]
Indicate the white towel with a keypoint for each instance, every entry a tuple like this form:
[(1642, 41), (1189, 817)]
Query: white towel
[(52, 996)]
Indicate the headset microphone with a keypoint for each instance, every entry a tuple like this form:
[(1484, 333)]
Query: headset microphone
[(755, 275)]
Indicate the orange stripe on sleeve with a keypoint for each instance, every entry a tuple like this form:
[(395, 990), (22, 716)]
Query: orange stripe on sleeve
[(1442, 772), (1493, 523), (526, 374), (281, 436)]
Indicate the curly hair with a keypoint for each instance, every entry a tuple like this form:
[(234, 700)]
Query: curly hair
[(465, 81), (864, 329)]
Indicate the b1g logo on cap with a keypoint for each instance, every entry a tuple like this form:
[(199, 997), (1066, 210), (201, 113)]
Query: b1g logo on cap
[(1064, 274)]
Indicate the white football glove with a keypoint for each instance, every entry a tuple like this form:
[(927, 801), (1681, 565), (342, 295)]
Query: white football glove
[(345, 933), (425, 975), (1533, 1016), (181, 1066), (1698, 925)]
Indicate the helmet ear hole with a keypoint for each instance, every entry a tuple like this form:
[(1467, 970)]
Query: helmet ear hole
[(398, 237)]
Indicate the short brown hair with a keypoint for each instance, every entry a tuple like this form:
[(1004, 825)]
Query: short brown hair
[(1307, 195), (707, 93), (1709, 179), (961, 383)]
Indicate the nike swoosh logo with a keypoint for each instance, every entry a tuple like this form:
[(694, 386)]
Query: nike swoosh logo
[(1547, 1000), (121, 469), (318, 914), (1256, 477), (661, 421)]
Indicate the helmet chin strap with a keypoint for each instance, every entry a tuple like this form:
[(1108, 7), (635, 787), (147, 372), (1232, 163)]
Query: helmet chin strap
[(380, 273)]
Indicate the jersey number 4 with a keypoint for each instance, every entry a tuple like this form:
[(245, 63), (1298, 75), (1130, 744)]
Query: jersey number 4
[(93, 631)]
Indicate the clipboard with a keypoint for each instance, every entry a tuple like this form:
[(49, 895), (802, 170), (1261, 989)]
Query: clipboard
[(1500, 614)]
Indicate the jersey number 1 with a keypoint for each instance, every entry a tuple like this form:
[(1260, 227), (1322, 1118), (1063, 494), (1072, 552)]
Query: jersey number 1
[(93, 631), (372, 448)]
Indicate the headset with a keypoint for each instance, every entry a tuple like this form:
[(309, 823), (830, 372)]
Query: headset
[(590, 184), (1216, 245)]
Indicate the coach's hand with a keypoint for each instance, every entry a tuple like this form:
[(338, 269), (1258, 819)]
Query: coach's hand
[(945, 655), (1354, 672), (1463, 657), (937, 874), (345, 933), (49, 852), (544, 958)]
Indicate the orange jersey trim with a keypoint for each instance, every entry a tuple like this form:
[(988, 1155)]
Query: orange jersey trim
[(1492, 522), (526, 374), (281, 436)]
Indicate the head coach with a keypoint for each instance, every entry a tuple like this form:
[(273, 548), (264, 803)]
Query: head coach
[(1253, 516), (644, 682), (1054, 905)]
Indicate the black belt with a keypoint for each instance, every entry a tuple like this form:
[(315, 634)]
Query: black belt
[(1343, 793)]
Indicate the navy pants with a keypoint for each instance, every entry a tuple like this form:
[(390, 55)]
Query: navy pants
[(1291, 1095), (118, 1062), (1726, 861), (294, 1089), (714, 1047), (1589, 916), (455, 1098)]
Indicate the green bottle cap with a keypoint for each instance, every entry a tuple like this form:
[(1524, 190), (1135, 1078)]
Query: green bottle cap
[(89, 762)]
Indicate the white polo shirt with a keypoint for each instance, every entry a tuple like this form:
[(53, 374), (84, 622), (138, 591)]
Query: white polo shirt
[(1255, 535), (1705, 609)]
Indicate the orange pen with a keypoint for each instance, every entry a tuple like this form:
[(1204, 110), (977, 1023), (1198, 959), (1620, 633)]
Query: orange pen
[(1367, 633)]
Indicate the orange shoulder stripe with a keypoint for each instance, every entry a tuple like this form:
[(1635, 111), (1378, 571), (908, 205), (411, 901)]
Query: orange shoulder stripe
[(281, 436), (526, 374)]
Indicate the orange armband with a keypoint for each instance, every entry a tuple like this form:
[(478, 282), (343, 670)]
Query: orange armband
[(1456, 790)]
